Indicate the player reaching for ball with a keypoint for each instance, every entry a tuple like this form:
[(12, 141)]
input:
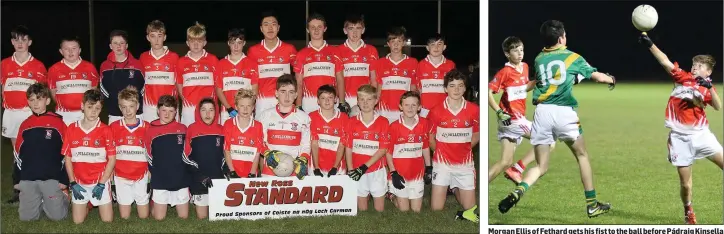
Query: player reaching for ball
[(366, 140), (689, 136), (244, 140), (408, 155), (204, 155), (327, 132), (557, 70), (512, 124)]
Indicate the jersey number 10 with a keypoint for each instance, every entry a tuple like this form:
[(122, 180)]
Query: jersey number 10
[(546, 73)]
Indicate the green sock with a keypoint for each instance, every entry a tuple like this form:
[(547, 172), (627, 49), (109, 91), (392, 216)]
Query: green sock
[(590, 197), (523, 186)]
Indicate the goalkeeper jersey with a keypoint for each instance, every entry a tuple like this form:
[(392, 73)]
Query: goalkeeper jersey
[(557, 70)]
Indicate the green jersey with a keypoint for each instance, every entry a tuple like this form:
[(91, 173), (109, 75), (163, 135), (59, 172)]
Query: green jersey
[(557, 70)]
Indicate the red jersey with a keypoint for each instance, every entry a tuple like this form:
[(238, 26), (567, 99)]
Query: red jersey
[(318, 67), (514, 84), (234, 75), (356, 64), (89, 151), (681, 116), (406, 146), (16, 77), (131, 161), (70, 82), (364, 140), (197, 78), (243, 144), (454, 133), (328, 133), (272, 63), (430, 81), (160, 76), (394, 79)]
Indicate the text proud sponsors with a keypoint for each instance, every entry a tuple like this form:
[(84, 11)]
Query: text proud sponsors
[(607, 230), (261, 198)]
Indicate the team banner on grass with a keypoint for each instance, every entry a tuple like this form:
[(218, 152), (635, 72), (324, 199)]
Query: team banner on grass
[(262, 198)]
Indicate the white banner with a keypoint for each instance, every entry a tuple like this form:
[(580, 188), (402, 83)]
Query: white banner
[(261, 198)]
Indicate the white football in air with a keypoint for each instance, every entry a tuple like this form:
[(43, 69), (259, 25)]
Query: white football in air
[(644, 18)]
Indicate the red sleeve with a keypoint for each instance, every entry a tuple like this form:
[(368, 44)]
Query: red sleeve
[(297, 63), (385, 137), (497, 83), (476, 118), (348, 132), (292, 53), (227, 136), (218, 76), (253, 73), (110, 143), (66, 145), (19, 138), (425, 136), (413, 71), (146, 142), (392, 135), (187, 142), (418, 79), (374, 66), (432, 129), (261, 146), (179, 72), (94, 75), (679, 74), (313, 131), (52, 77), (338, 66), (41, 74)]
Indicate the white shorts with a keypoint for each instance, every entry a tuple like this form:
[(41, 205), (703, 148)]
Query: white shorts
[(173, 198), (112, 118), (200, 200), (515, 130), (392, 116), (424, 112), (462, 177), (150, 113), (88, 195), (685, 148), (373, 183), (265, 103), (128, 191), (412, 190), (553, 122), (12, 120), (310, 104), (71, 117), (188, 115)]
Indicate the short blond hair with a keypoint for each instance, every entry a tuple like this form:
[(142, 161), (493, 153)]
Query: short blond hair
[(156, 26), (130, 94), (244, 93), (196, 31), (367, 89), (705, 59)]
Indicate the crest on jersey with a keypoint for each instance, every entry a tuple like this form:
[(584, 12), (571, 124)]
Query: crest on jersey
[(206, 68), (85, 143), (329, 58), (377, 136), (419, 138), (281, 59), (218, 141), (251, 142), (294, 126), (130, 142), (364, 59), (180, 139), (336, 132), (130, 74), (404, 72), (467, 124), (30, 75), (241, 141), (166, 68), (97, 143), (85, 76), (48, 134)]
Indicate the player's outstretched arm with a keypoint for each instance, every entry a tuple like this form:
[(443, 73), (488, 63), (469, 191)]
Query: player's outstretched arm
[(660, 56), (603, 78), (348, 157), (715, 101), (491, 101)]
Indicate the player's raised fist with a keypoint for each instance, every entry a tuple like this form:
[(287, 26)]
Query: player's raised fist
[(645, 40)]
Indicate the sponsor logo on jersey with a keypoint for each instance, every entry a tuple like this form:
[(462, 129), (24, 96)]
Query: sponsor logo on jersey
[(130, 74), (180, 139), (48, 134)]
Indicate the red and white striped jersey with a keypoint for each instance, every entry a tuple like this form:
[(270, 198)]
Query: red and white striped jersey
[(288, 133), (17, 77), (430, 81), (317, 67), (197, 78), (89, 151), (160, 75), (243, 144), (454, 133), (235, 75), (70, 82), (681, 115), (406, 145), (366, 139), (131, 157), (328, 133), (394, 79), (356, 64), (513, 83), (272, 63)]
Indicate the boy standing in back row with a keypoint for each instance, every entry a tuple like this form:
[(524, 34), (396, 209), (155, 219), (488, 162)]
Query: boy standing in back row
[(395, 75), (357, 59), (119, 71), (430, 72), (69, 79), (236, 71), (195, 74), (159, 66)]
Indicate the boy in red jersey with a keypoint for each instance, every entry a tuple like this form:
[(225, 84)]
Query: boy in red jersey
[(195, 74), (690, 137), (204, 149), (69, 79), (366, 140), (236, 71), (357, 59), (395, 74), (455, 131), (408, 156), (131, 170), (430, 72), (274, 59), (244, 140), (513, 126), (327, 132), (159, 66), (317, 65), (90, 157)]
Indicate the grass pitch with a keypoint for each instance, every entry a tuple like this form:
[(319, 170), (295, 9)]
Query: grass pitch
[(626, 141)]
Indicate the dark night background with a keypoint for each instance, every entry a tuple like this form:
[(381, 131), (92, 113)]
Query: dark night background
[(460, 23), (603, 34)]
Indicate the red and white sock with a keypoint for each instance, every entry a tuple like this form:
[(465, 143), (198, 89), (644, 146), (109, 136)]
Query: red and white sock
[(519, 166)]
